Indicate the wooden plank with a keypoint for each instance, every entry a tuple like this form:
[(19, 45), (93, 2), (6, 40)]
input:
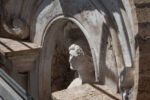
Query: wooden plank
[(10, 47)]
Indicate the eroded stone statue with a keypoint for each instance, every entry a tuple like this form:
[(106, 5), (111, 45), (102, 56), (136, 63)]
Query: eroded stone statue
[(81, 61)]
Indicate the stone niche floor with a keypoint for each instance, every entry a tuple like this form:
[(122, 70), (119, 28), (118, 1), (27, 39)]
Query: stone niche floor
[(86, 92)]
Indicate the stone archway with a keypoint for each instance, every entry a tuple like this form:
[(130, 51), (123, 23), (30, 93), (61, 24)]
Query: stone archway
[(54, 71), (52, 35)]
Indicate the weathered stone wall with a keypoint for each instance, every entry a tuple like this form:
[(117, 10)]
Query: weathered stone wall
[(143, 14), (91, 27)]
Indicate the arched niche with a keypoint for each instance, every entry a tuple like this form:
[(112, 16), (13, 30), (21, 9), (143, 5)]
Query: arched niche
[(54, 71)]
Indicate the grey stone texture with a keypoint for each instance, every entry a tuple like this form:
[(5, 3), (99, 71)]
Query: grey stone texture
[(110, 28)]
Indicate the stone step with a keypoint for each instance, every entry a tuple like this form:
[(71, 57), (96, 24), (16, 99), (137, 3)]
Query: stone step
[(86, 92), (18, 56)]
